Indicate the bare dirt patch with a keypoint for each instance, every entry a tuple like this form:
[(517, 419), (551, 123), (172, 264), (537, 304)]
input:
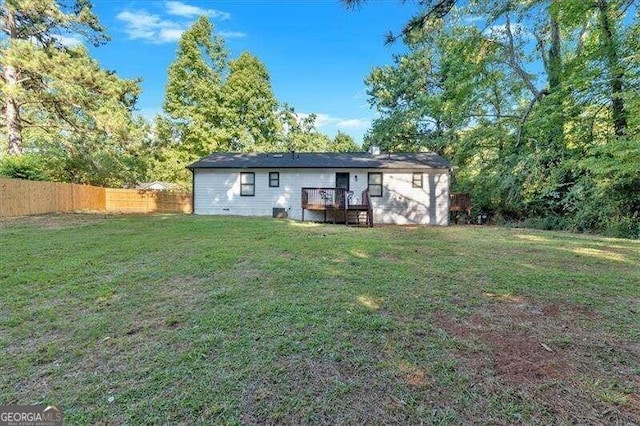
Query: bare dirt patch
[(544, 350)]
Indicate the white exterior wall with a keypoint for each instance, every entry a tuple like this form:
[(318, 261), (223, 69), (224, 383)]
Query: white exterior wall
[(217, 191), (404, 205)]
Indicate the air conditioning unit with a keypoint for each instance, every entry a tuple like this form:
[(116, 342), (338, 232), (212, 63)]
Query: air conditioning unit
[(279, 213)]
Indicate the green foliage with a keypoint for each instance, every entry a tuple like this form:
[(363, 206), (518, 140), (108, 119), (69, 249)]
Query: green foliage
[(193, 123), (300, 133), (559, 146), (252, 109), (194, 100), (623, 227), (343, 143), (96, 161), (28, 166), (101, 162), (215, 105), (547, 223), (75, 115)]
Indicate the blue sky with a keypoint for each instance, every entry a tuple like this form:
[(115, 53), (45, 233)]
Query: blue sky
[(317, 52)]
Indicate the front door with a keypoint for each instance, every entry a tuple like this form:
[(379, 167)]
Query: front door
[(342, 180)]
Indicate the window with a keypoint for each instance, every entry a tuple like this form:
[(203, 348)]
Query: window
[(274, 179), (417, 180), (375, 184), (248, 184), (342, 180)]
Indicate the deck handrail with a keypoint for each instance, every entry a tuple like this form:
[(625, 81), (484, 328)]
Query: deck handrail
[(329, 199), (460, 202), (366, 200), (323, 198)]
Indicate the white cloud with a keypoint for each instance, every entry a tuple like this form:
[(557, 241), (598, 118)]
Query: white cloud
[(472, 19), (171, 34), (150, 113), (326, 120), (323, 120), (68, 41), (178, 8), (142, 25), (231, 34), (353, 123), (360, 94)]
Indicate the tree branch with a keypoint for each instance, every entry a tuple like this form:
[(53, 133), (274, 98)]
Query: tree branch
[(526, 114), (540, 46), (579, 44), (513, 60)]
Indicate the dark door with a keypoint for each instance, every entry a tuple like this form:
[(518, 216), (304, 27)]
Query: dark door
[(342, 180)]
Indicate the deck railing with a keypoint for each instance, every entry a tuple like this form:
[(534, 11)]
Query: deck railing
[(335, 200), (366, 200), (460, 202), (323, 198)]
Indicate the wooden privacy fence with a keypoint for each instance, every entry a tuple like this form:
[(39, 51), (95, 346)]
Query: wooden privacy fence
[(146, 201), (25, 197)]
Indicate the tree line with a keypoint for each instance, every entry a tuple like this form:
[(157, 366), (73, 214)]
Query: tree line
[(65, 118), (217, 105), (536, 103)]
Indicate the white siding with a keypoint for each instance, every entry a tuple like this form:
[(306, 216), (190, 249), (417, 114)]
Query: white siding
[(217, 191), (402, 204)]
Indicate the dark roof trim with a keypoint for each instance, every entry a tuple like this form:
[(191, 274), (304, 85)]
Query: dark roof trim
[(322, 160)]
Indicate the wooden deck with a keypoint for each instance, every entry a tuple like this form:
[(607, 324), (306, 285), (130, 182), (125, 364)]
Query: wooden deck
[(335, 203), (460, 202)]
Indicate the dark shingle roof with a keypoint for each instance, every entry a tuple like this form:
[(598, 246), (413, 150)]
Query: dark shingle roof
[(314, 160)]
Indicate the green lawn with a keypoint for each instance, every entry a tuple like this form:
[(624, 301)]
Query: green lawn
[(149, 319)]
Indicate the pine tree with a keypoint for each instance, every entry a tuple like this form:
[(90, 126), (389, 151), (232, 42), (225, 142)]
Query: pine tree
[(55, 90)]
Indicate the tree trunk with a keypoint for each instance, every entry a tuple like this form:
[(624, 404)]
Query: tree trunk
[(616, 71), (555, 58), (12, 108), (555, 79), (14, 128)]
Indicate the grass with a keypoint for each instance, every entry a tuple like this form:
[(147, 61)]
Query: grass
[(150, 319)]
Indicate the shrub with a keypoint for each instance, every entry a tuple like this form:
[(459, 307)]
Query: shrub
[(623, 227), (28, 166), (549, 223)]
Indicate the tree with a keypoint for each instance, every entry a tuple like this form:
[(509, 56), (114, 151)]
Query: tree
[(532, 100), (431, 10), (56, 89), (194, 101), (194, 121), (100, 160), (300, 133), (610, 46), (343, 143), (251, 108)]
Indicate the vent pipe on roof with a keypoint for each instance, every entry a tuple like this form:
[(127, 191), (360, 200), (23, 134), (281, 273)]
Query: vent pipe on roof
[(374, 150)]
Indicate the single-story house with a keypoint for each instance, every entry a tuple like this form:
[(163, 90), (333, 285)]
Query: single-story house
[(393, 188), (157, 185)]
